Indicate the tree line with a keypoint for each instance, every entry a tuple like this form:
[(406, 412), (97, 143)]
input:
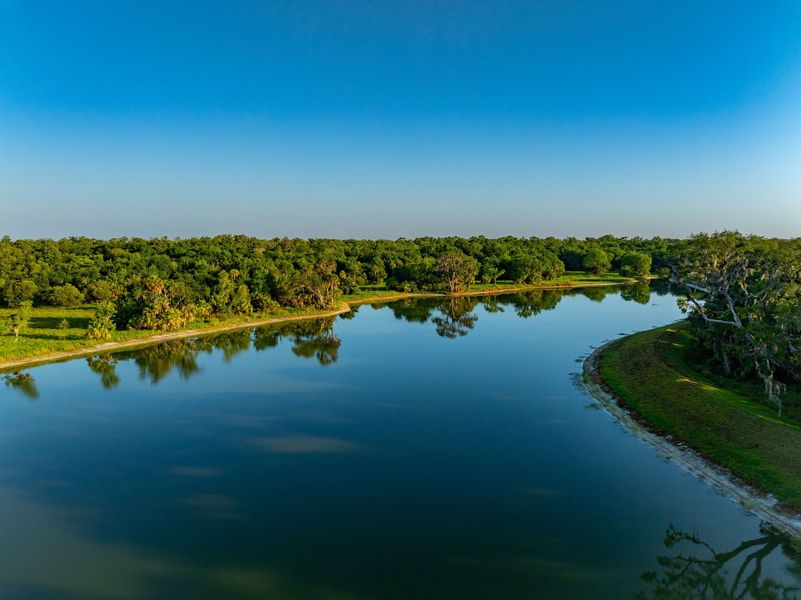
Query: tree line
[(742, 293), (166, 283)]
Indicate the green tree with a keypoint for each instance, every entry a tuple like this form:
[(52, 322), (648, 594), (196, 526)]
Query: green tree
[(240, 302), (635, 264), (66, 295), (319, 286), (21, 291), (102, 290), (597, 261), (456, 270), (21, 319), (154, 304), (491, 270), (226, 288), (743, 296)]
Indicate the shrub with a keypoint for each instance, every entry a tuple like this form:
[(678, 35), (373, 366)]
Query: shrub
[(66, 295), (102, 324)]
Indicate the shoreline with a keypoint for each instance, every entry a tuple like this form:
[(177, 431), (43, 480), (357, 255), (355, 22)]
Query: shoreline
[(758, 503), (344, 307)]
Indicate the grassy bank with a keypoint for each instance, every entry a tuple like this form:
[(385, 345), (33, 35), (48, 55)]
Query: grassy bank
[(43, 338), (571, 279), (726, 422)]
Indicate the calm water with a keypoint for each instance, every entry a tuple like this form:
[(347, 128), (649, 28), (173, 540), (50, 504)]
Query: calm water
[(414, 450)]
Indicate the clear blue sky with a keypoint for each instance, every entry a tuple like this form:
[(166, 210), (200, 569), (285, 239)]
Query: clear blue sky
[(402, 118)]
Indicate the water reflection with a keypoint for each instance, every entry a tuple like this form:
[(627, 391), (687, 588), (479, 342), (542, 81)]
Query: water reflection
[(310, 339), (454, 317), (698, 570), (315, 338), (105, 365), (24, 383), (395, 474), (639, 292)]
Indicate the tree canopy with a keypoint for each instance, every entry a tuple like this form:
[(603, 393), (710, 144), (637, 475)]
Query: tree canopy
[(743, 296), (235, 274)]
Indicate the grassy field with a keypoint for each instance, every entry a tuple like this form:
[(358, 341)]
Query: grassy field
[(730, 425), (43, 336)]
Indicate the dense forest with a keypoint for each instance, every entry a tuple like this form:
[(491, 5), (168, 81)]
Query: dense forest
[(164, 284)]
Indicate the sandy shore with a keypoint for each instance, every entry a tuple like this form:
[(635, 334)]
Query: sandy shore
[(762, 505)]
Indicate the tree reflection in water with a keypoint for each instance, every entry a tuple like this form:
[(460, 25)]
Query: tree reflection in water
[(314, 338), (105, 365), (492, 305), (310, 339), (700, 571), (639, 292), (317, 339), (530, 304), (156, 362), (456, 317), (24, 383), (412, 310), (596, 294)]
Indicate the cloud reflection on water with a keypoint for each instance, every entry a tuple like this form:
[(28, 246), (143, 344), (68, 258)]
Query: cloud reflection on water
[(305, 444)]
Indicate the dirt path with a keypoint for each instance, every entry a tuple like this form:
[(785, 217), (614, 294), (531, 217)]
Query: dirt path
[(762, 505), (11, 365)]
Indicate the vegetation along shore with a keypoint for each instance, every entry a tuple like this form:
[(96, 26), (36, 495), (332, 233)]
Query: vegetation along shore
[(722, 386), (45, 342), (69, 294), (722, 431)]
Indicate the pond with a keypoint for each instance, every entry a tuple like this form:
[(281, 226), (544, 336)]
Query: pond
[(416, 449)]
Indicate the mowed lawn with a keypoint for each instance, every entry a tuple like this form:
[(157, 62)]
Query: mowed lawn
[(43, 336), (727, 422)]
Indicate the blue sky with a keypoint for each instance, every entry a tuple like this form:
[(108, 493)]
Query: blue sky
[(388, 119)]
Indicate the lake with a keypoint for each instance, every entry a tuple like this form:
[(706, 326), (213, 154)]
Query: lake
[(416, 449)]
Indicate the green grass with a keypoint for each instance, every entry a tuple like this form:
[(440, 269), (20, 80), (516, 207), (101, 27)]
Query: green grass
[(369, 292), (728, 424), (570, 278), (581, 278)]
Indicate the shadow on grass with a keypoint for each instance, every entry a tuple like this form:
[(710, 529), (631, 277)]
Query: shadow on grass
[(597, 280), (50, 336), (52, 322)]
